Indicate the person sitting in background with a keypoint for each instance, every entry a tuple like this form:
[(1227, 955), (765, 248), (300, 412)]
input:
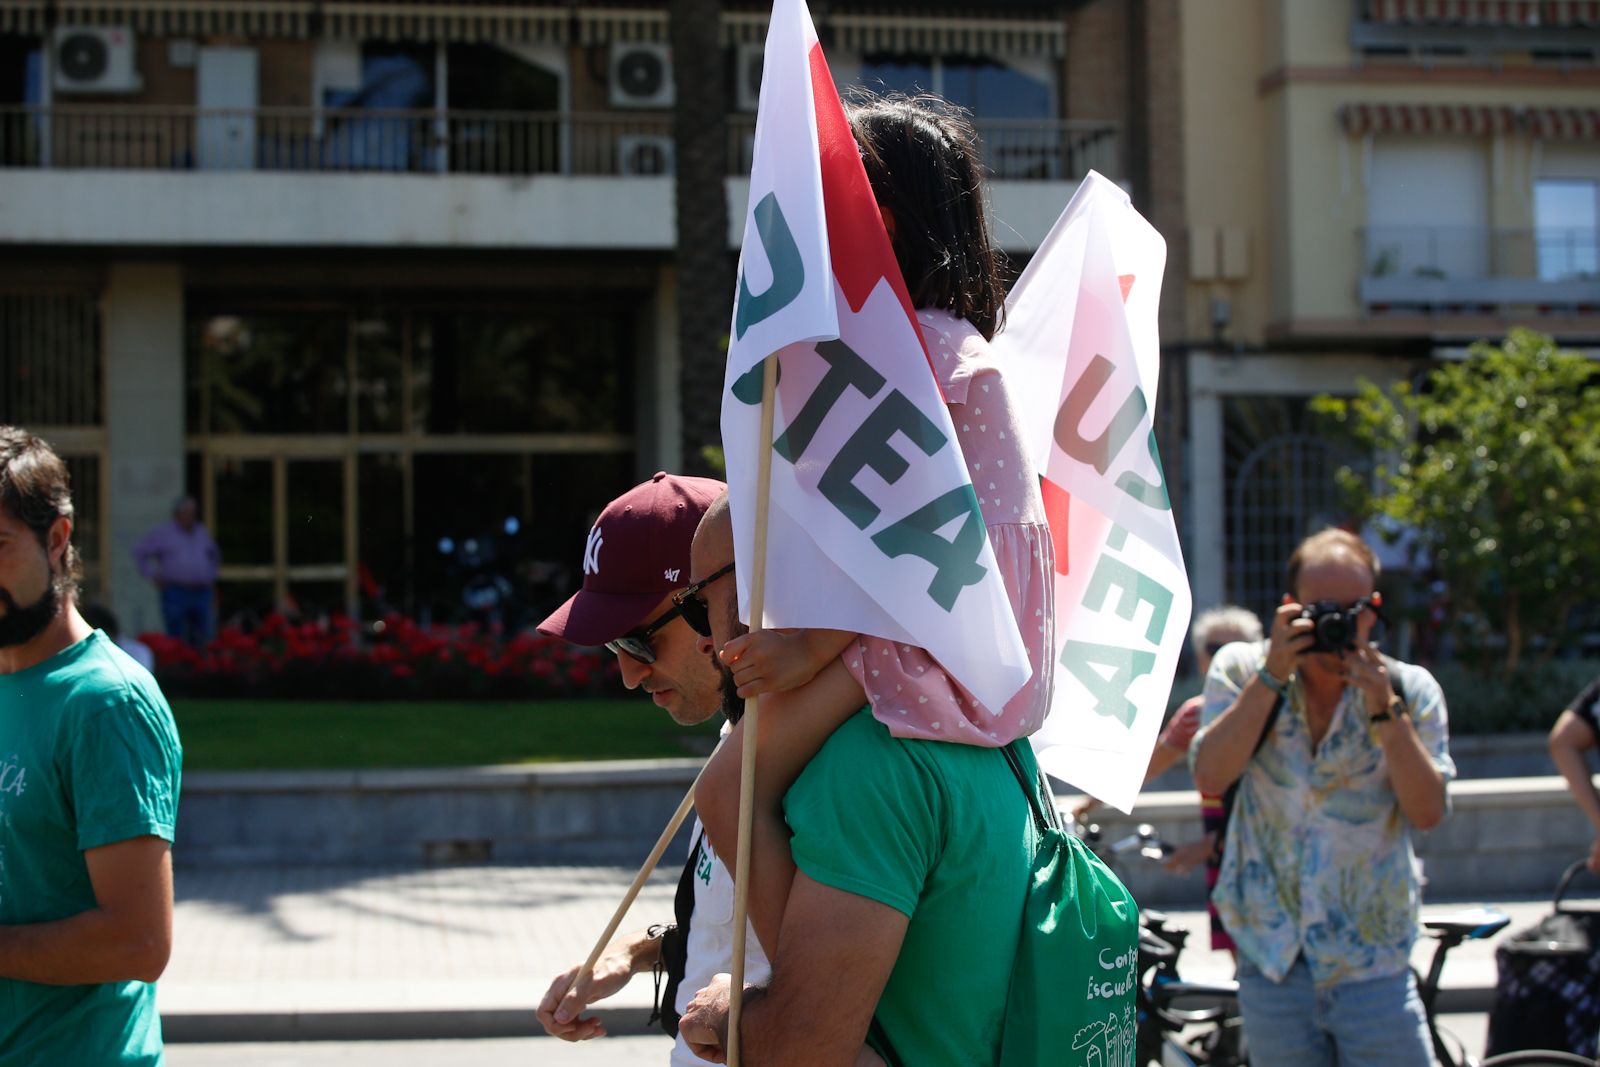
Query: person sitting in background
[(1575, 732)]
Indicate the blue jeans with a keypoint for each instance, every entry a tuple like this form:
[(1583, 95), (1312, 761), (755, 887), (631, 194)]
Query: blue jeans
[(1378, 1022), (186, 609)]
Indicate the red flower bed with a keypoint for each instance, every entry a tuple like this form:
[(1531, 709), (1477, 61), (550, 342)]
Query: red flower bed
[(394, 659)]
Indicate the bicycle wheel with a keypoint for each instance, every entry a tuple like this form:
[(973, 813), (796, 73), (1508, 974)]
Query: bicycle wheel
[(1537, 1058)]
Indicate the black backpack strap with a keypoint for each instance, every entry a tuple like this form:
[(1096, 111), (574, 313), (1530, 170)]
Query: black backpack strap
[(673, 957), (1232, 792)]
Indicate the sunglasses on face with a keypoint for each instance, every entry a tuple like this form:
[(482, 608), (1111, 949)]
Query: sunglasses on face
[(635, 644), (688, 605), (691, 604)]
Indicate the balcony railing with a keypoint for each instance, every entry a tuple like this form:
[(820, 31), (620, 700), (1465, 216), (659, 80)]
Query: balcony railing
[(1410, 267), (452, 142)]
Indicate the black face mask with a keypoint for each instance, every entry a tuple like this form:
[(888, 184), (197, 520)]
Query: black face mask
[(20, 625)]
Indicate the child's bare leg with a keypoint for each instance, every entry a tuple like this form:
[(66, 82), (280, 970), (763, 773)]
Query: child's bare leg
[(794, 724)]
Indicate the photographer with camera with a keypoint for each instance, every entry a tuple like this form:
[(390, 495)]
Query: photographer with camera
[(1338, 752)]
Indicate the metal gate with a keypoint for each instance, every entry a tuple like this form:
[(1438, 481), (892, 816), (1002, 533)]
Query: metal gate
[(1283, 490)]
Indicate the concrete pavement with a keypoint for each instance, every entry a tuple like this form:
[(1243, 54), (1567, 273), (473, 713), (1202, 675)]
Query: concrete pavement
[(331, 953)]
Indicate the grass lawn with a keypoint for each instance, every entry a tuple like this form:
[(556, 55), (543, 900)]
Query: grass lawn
[(299, 735)]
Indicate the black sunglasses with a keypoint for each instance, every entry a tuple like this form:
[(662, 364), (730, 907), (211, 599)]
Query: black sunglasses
[(687, 604), (636, 643), (693, 607)]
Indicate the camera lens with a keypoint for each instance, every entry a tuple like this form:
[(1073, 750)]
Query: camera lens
[(1333, 631)]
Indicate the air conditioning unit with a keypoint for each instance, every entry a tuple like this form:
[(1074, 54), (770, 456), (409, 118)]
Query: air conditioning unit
[(641, 75), (644, 155), (94, 59), (747, 75)]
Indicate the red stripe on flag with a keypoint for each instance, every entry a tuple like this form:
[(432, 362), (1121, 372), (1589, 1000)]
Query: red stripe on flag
[(857, 240), (1126, 281), (1057, 509)]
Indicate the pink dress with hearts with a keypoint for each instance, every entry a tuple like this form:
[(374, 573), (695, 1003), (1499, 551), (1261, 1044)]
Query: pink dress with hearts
[(910, 693)]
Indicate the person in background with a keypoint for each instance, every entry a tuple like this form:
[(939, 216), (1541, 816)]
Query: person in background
[(1339, 753), (1576, 731), (183, 561), (90, 767), (102, 618)]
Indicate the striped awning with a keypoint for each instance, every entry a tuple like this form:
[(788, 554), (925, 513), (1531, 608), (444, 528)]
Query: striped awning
[(1530, 13), (1571, 12), (299, 19), (1564, 123), (936, 35), (522, 23), (512, 23), (604, 25), (22, 16), (1471, 119)]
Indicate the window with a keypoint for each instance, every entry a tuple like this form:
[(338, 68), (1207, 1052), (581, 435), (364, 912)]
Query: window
[(989, 88), (1566, 218), (1012, 102), (1428, 208), (269, 372)]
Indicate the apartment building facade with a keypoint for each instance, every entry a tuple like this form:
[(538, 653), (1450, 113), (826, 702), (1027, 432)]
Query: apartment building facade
[(1370, 186), (391, 286)]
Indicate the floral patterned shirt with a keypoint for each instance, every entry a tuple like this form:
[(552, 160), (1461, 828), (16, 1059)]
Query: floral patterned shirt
[(1318, 857)]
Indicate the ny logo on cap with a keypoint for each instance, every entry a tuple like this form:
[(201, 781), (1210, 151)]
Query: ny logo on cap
[(591, 552)]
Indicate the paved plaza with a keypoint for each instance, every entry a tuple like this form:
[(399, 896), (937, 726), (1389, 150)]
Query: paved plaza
[(311, 953)]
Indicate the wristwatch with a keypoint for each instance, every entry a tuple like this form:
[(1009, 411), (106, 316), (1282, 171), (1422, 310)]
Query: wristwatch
[(1395, 710)]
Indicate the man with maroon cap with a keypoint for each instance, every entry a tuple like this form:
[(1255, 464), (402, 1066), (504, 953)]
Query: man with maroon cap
[(636, 601)]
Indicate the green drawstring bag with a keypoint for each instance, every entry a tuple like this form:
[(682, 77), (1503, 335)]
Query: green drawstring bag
[(1073, 982), (1071, 1001)]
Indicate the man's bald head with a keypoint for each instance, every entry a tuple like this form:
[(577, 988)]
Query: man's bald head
[(713, 539)]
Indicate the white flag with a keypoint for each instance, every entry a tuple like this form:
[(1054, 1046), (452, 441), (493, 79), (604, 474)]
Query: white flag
[(874, 525), (1081, 350)]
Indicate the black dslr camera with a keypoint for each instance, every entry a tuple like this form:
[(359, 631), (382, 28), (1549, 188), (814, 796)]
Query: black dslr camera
[(1333, 624)]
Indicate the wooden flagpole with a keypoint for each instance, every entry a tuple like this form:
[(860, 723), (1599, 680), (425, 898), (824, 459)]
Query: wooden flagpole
[(751, 720), (639, 879)]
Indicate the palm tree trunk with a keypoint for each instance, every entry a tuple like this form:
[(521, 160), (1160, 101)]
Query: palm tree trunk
[(704, 264)]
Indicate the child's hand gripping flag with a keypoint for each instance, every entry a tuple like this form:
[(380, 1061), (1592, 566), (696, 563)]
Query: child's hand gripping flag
[(874, 525), (1081, 349)]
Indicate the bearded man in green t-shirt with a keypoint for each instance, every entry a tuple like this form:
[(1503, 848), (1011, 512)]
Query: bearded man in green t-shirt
[(89, 772)]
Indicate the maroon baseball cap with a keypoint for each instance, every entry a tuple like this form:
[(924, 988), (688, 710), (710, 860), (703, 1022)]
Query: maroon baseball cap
[(637, 553)]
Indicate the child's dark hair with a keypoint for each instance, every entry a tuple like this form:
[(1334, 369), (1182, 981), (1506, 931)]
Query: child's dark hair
[(922, 158)]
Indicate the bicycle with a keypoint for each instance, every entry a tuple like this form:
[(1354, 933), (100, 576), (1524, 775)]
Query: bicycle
[(1450, 930), (1165, 1033), (1222, 1041)]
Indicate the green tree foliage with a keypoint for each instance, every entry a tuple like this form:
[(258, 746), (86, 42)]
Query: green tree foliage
[(1495, 460)]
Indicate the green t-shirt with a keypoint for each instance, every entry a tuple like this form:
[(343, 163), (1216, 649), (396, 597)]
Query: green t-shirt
[(89, 756), (942, 833)]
